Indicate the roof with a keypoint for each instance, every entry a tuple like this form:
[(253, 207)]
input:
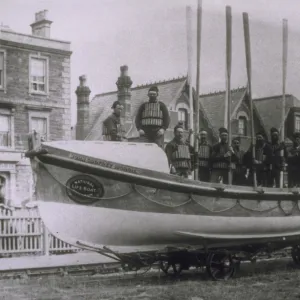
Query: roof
[(270, 109), (213, 105), (100, 106)]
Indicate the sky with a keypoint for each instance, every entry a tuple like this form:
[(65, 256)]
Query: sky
[(150, 37)]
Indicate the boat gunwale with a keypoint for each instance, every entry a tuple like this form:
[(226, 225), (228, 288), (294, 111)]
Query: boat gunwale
[(168, 181)]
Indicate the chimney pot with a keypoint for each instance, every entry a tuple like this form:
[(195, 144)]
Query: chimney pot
[(41, 25)]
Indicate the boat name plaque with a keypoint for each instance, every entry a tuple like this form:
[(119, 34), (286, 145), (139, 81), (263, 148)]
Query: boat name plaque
[(84, 189), (102, 163)]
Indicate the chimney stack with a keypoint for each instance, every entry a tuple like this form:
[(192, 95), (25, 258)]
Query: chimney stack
[(83, 102), (124, 96), (41, 26)]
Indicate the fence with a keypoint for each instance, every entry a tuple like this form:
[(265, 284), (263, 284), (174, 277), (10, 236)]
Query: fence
[(22, 232)]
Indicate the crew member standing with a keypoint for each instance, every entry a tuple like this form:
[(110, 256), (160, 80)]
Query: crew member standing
[(239, 174), (204, 154), (180, 153), (294, 162), (153, 119), (261, 162), (112, 128), (221, 158), (277, 163)]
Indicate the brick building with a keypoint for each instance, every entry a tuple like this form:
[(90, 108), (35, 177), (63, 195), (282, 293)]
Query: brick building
[(34, 95), (91, 114), (175, 94)]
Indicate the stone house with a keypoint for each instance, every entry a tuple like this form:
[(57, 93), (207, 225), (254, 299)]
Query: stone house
[(34, 95), (175, 94)]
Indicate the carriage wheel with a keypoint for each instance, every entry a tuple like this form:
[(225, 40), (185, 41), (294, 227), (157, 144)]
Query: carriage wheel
[(296, 254), (165, 267), (220, 266)]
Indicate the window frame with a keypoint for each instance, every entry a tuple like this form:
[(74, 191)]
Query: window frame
[(10, 115), (46, 82), (3, 83), (185, 112), (40, 115), (295, 122), (244, 119)]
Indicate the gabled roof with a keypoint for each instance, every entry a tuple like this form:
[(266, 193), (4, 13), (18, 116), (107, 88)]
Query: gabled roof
[(270, 110), (213, 105), (100, 106)]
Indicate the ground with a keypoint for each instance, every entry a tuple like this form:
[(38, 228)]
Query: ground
[(276, 280)]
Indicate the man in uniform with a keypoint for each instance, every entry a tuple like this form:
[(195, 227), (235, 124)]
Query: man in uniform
[(112, 128), (261, 162), (153, 119), (239, 174), (221, 158), (294, 162), (277, 163), (180, 153), (204, 154)]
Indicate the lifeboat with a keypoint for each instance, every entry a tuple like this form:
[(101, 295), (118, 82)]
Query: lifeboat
[(122, 195)]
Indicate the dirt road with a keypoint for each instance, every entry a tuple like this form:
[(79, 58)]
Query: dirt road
[(266, 280)]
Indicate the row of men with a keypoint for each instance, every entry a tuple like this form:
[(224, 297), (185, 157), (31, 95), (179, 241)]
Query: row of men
[(215, 161), (152, 120)]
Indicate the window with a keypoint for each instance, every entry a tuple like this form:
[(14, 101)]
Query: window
[(5, 132), (297, 123), (38, 75), (2, 70), (39, 125), (242, 125), (183, 117)]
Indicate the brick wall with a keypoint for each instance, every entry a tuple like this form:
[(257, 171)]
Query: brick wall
[(58, 101), (56, 105)]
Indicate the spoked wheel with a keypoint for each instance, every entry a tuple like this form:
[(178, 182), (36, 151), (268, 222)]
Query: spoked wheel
[(296, 254), (220, 266), (165, 266)]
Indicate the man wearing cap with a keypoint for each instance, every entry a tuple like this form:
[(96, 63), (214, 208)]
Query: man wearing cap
[(204, 154), (180, 153), (239, 174), (112, 129), (153, 119), (222, 157), (294, 162), (261, 162), (278, 162)]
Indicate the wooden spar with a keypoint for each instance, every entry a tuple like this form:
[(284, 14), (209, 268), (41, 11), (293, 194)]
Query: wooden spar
[(284, 69), (249, 71), (228, 77), (189, 56), (196, 144)]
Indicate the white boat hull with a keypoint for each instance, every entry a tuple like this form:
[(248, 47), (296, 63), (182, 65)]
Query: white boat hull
[(129, 231)]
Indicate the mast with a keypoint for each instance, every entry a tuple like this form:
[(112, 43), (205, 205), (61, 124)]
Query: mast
[(189, 56), (284, 69), (228, 77), (196, 144), (249, 85)]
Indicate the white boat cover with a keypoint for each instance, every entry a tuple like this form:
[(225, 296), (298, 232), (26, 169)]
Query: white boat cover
[(141, 155)]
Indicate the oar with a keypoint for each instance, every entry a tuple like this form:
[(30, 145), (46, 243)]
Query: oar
[(248, 66)]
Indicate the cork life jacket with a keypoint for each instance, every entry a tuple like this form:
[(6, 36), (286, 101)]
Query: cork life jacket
[(152, 115), (113, 130), (240, 160), (181, 157), (222, 163), (276, 159), (204, 152)]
